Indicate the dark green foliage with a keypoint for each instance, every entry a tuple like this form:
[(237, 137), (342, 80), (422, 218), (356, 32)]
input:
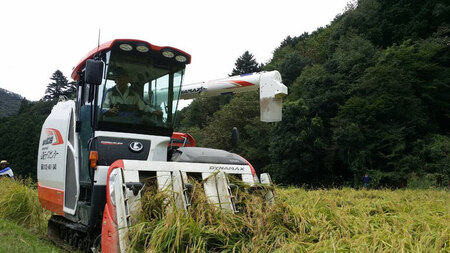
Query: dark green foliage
[(300, 150), (430, 162), (400, 100), (292, 66), (289, 41), (20, 137), (238, 113), (380, 110), (393, 21)]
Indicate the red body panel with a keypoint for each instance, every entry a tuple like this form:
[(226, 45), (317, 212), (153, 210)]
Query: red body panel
[(179, 137), (110, 236), (240, 83), (51, 199), (250, 165), (57, 134)]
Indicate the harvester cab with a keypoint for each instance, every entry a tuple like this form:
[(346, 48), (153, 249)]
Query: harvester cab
[(96, 152)]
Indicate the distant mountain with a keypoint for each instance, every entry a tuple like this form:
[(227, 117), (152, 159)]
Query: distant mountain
[(9, 102)]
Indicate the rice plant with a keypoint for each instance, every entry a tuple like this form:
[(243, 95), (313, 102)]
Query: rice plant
[(342, 220), (300, 220), (337, 220), (258, 227), (19, 203)]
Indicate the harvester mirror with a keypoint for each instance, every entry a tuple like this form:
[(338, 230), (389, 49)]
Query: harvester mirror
[(94, 72), (234, 136)]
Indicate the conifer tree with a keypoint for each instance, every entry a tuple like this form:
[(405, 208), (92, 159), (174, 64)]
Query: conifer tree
[(59, 87), (246, 63)]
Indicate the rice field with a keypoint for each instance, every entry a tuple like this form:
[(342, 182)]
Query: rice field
[(335, 220), (349, 220)]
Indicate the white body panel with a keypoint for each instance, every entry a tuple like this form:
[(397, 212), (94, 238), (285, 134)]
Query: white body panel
[(131, 165), (172, 177), (100, 175), (122, 212), (54, 145)]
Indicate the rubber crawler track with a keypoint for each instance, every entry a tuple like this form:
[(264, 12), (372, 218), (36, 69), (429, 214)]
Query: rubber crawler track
[(64, 234)]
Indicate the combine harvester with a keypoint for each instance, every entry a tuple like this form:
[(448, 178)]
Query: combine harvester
[(92, 163)]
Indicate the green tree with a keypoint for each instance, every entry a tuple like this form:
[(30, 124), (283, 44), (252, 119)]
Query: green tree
[(246, 63), (238, 113), (298, 148), (59, 87), (385, 23), (377, 128)]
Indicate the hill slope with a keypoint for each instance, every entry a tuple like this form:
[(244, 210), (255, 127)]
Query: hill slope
[(9, 102)]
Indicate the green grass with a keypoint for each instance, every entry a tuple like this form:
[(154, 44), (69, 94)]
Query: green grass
[(23, 222), (17, 239)]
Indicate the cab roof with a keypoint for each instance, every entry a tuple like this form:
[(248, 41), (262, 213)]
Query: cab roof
[(108, 45)]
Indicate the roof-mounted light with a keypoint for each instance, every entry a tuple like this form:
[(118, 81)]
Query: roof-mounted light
[(142, 49), (168, 54), (181, 58), (126, 47)]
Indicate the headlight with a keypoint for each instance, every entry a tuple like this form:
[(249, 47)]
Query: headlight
[(126, 47), (142, 49), (181, 58), (168, 54), (112, 179)]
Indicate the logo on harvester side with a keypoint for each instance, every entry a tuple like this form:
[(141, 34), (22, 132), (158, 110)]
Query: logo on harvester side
[(53, 137), (194, 90), (136, 146), (227, 168)]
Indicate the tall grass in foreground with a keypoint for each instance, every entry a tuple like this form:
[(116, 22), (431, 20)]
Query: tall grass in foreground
[(19, 203), (339, 220), (371, 221)]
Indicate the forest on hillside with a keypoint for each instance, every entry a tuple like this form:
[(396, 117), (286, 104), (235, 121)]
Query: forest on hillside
[(368, 93)]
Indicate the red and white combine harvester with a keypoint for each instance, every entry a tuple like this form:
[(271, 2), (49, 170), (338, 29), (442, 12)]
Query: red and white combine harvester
[(95, 154)]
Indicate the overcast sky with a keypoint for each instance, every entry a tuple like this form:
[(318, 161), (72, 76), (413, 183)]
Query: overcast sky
[(39, 37)]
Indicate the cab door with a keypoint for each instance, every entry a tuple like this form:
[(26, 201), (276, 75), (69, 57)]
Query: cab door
[(71, 187)]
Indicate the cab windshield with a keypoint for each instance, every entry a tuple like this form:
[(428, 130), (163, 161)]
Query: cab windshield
[(139, 93)]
